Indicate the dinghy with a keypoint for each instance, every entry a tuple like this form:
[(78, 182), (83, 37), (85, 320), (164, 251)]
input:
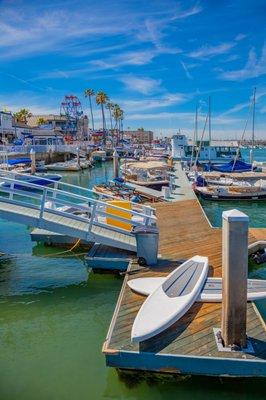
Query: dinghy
[(171, 300), (211, 292)]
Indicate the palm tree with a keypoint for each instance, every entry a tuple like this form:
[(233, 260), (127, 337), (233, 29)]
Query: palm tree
[(110, 107), (22, 115), (90, 93), (101, 99), (41, 121), (118, 115), (121, 117)]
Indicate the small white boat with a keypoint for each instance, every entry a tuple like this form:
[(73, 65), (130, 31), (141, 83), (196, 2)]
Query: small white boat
[(211, 292), (256, 192), (68, 166), (171, 300), (98, 155)]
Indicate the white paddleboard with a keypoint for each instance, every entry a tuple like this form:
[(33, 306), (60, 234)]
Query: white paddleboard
[(211, 292), (171, 300)]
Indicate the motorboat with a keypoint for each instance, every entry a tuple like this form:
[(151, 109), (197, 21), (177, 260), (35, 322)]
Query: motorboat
[(256, 192), (153, 174)]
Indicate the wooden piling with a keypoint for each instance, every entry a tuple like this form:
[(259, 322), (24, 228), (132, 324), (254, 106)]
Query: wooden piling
[(234, 273), (116, 164), (33, 161)]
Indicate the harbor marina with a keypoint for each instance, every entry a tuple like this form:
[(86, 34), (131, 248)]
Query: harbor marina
[(83, 298)]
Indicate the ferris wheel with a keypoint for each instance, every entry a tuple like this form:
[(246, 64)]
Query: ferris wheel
[(71, 108)]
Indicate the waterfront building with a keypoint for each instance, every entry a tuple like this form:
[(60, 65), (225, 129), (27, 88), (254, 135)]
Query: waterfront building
[(59, 124), (139, 136)]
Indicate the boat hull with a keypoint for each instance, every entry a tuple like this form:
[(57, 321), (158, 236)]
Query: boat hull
[(215, 197)]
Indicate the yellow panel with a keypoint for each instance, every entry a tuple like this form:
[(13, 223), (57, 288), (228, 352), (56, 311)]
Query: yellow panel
[(119, 213)]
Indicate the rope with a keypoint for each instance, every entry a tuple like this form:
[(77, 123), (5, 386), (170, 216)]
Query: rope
[(65, 251)]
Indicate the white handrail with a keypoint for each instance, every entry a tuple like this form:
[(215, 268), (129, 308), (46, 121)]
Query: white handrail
[(98, 207), (68, 194), (5, 174)]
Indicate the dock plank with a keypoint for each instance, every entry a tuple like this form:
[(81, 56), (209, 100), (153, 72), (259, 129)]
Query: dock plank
[(184, 232)]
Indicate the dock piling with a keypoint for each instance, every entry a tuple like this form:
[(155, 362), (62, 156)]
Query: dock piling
[(116, 163), (33, 161), (234, 275)]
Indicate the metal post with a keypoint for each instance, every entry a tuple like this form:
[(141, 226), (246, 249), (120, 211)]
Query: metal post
[(43, 203), (116, 163), (33, 161), (234, 273), (78, 156)]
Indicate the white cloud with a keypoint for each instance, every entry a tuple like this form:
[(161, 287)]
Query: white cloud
[(253, 69), (196, 9), (240, 37), (168, 100), (208, 51), (137, 58), (186, 69), (27, 29), (237, 108), (141, 85)]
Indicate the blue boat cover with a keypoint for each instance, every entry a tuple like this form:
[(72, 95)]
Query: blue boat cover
[(232, 166), (201, 181), (15, 161)]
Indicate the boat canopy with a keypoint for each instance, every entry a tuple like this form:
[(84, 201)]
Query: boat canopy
[(231, 166), (148, 165), (15, 161)]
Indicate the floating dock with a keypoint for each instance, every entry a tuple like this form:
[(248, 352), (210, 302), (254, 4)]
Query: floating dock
[(49, 238), (102, 258), (188, 346)]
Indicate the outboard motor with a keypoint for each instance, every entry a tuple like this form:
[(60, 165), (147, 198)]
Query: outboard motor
[(259, 257)]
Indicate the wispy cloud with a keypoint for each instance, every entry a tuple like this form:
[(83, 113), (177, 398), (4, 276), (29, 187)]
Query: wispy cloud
[(208, 51), (253, 69), (134, 58), (141, 85), (240, 37), (182, 14), (186, 69), (26, 29), (167, 100)]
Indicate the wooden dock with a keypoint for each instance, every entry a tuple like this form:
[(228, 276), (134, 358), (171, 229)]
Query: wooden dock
[(187, 347)]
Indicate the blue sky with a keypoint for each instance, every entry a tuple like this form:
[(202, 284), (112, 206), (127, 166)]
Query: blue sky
[(157, 59)]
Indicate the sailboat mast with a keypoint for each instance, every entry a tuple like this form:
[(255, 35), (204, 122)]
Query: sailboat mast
[(195, 136), (210, 137), (196, 126), (253, 119)]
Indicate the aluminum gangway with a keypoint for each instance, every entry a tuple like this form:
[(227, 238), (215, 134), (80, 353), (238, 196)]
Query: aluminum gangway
[(71, 210)]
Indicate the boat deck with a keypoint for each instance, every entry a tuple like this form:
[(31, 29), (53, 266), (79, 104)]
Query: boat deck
[(189, 345), (236, 175)]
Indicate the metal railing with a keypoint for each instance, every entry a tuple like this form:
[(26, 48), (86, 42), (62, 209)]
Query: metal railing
[(61, 200), (39, 148)]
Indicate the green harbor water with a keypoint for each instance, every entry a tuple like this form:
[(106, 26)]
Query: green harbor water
[(54, 317)]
